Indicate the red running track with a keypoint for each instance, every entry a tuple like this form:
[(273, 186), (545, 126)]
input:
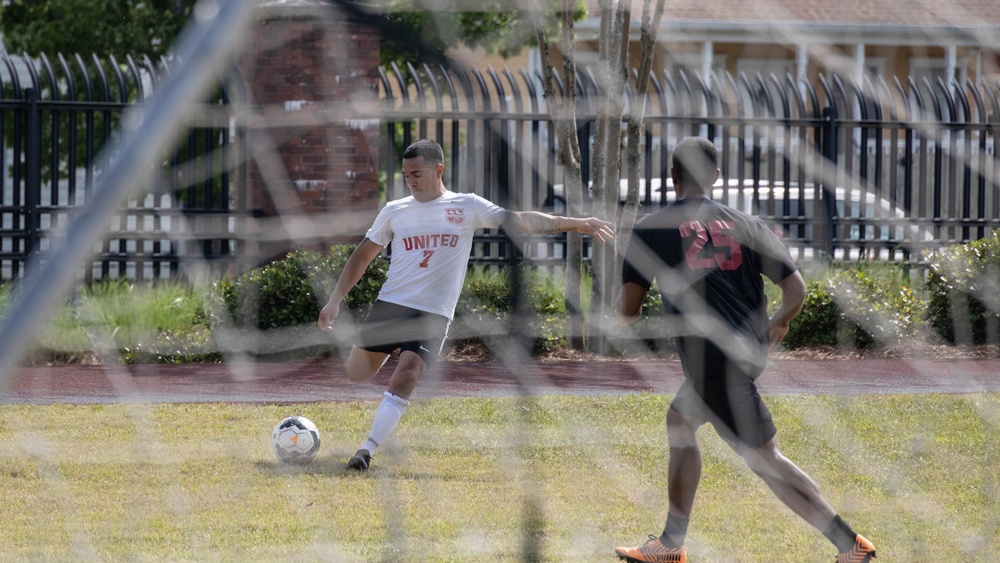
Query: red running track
[(324, 380)]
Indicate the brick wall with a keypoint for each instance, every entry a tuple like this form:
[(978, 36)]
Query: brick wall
[(305, 57)]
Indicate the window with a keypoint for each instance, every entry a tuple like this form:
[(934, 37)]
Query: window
[(933, 68)]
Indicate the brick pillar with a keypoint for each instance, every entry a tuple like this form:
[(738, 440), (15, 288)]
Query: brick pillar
[(306, 55)]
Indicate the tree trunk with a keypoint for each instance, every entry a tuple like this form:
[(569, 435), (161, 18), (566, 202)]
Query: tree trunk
[(626, 221), (608, 147), (613, 53), (563, 112)]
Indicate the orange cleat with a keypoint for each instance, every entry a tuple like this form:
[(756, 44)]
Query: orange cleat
[(653, 551), (862, 552)]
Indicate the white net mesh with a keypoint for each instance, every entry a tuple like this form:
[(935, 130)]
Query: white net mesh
[(555, 462)]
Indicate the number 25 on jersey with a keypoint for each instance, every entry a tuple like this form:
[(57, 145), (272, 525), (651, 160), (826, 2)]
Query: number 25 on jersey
[(710, 246)]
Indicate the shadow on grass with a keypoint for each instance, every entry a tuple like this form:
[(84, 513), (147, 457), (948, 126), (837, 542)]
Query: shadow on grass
[(331, 465), (335, 465)]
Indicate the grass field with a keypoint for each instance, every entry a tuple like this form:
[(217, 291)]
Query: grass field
[(566, 478)]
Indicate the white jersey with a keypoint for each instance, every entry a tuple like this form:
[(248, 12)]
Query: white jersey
[(431, 242)]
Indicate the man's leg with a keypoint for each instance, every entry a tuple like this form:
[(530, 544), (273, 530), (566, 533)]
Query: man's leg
[(394, 402), (362, 364), (801, 494), (683, 476), (409, 370), (789, 483)]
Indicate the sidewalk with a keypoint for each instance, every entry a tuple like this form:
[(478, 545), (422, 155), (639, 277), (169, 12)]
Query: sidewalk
[(324, 380)]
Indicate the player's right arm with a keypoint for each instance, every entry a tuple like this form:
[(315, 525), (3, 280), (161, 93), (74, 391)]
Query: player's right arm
[(349, 277), (630, 302)]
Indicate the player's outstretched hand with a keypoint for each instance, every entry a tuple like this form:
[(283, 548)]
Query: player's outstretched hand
[(327, 316), (598, 228)]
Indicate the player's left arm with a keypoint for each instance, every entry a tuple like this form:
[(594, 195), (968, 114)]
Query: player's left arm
[(793, 295), (538, 223)]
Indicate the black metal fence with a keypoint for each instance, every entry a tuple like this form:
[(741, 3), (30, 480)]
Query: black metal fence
[(843, 169), (56, 117)]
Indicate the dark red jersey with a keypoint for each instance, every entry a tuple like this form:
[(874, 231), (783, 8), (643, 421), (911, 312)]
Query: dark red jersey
[(707, 260)]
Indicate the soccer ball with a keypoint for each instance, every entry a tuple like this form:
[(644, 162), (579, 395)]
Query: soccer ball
[(295, 440)]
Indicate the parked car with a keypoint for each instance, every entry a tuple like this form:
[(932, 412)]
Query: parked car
[(862, 223)]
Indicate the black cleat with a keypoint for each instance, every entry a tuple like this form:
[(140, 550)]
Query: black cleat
[(361, 460)]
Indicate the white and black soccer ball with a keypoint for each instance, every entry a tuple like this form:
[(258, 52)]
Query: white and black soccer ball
[(295, 440)]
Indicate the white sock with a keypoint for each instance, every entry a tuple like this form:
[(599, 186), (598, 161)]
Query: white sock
[(387, 415)]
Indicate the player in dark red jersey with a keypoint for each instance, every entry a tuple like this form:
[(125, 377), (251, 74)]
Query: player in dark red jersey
[(707, 260)]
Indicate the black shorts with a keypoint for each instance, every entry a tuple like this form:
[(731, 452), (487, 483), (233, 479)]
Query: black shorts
[(722, 391), (390, 327)]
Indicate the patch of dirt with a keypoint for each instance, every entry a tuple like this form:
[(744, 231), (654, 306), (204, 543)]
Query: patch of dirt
[(466, 352), (897, 351), (49, 358)]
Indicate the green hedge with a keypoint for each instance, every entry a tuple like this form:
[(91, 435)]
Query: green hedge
[(861, 306), (488, 301), (291, 292), (963, 287), (856, 309)]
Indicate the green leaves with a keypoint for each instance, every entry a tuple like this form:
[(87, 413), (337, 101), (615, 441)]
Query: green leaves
[(291, 292), (118, 27), (816, 325), (487, 300), (856, 308), (963, 285)]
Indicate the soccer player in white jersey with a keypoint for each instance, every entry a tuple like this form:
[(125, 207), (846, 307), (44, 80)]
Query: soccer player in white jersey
[(431, 234)]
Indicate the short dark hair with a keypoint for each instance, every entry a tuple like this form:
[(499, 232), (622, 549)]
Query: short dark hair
[(428, 149), (696, 160)]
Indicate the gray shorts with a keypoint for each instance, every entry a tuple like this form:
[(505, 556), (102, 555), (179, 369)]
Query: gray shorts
[(390, 327), (721, 391)]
